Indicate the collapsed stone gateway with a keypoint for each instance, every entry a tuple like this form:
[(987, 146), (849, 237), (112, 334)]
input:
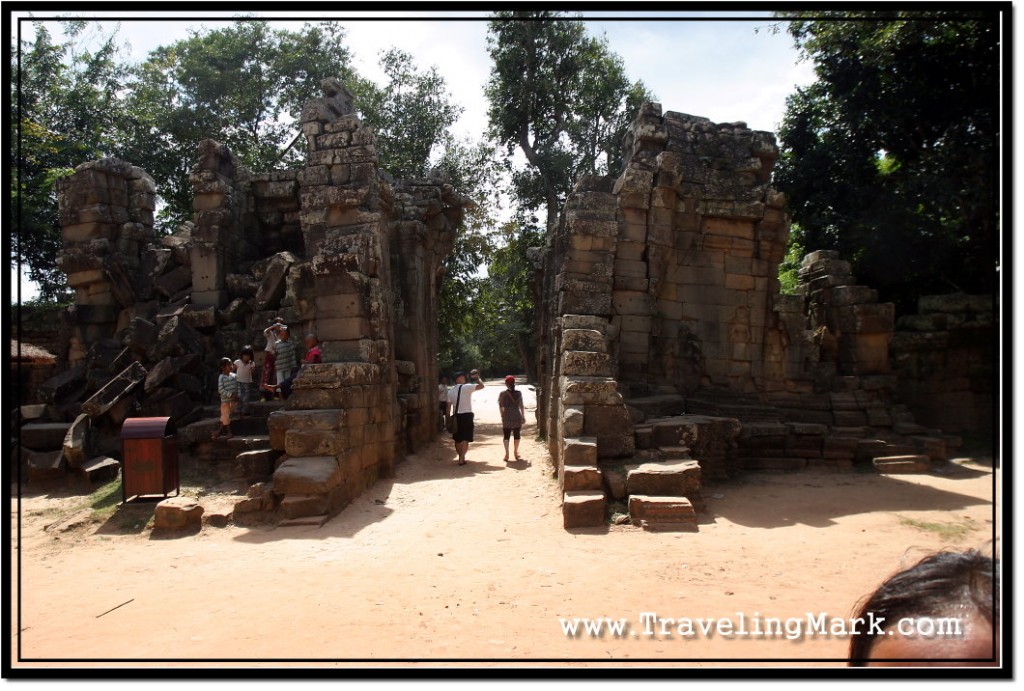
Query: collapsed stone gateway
[(667, 355), (337, 248)]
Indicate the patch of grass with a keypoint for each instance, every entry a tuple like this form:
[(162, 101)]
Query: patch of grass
[(955, 530), (104, 500)]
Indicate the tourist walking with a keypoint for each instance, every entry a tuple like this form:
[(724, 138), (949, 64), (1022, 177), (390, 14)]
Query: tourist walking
[(460, 402), (513, 415)]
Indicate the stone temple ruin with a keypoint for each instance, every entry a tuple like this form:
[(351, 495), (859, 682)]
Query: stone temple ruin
[(670, 357), (667, 355)]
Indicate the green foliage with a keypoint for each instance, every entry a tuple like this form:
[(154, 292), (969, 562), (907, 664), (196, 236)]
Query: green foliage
[(65, 100), (410, 114), (559, 96), (243, 85), (790, 266), (889, 157)]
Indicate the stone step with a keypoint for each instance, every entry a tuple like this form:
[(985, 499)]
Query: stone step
[(100, 468), (583, 509), (662, 512), (315, 521), (303, 506), (44, 436), (307, 475), (257, 465), (581, 478), (669, 478), (915, 463)]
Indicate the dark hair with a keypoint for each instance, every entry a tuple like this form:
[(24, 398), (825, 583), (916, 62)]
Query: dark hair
[(247, 350), (225, 361), (931, 588)]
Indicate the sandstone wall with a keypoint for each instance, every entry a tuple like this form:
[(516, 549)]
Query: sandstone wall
[(944, 361)]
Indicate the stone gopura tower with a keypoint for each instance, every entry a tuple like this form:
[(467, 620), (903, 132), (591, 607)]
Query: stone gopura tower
[(668, 353)]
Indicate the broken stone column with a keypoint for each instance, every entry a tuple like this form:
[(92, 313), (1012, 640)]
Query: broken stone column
[(106, 216), (224, 233)]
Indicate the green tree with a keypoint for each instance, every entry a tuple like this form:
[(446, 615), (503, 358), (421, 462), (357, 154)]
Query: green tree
[(65, 98), (474, 171), (243, 85), (559, 96), (511, 341), (411, 114), (890, 156)]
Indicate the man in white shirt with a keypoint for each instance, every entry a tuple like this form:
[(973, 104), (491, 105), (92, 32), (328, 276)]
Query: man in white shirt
[(460, 404)]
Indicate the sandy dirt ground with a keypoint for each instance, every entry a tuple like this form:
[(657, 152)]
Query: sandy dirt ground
[(454, 566)]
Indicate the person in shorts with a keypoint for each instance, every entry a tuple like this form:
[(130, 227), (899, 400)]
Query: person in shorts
[(513, 415), (460, 404), (227, 388)]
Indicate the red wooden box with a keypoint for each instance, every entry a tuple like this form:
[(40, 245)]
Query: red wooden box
[(149, 457)]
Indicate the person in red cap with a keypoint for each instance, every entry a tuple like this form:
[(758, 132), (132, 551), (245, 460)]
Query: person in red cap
[(513, 414)]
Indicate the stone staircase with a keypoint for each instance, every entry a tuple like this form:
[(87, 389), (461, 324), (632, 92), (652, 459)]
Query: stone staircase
[(660, 487), (247, 456)]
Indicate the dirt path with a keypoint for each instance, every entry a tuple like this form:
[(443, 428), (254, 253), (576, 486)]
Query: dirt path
[(449, 562)]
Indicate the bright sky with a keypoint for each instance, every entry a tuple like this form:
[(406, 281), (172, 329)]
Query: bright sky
[(726, 66)]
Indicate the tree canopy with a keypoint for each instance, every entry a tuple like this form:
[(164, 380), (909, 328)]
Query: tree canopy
[(890, 155), (243, 85), (559, 96), (411, 114), (65, 98)]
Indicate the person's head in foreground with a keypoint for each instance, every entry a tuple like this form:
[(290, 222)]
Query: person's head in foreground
[(460, 377), (510, 381), (939, 612)]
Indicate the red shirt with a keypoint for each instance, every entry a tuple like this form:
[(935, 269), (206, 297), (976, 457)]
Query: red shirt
[(313, 356)]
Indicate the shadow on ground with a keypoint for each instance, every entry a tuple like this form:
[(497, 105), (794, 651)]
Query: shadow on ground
[(778, 501)]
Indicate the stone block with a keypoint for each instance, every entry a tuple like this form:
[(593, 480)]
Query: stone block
[(176, 338), (589, 390), (580, 478), (315, 442), (584, 339), (307, 475), (257, 465), (613, 428), (680, 478), (583, 509), (100, 469), (178, 513), (174, 281), (579, 451), (572, 421), (140, 335), (295, 506), (932, 447), (586, 364), (45, 465), (78, 441), (912, 463), (57, 388), (272, 287), (44, 436), (662, 512)]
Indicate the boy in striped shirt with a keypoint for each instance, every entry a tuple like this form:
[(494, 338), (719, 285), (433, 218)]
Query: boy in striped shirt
[(227, 387)]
